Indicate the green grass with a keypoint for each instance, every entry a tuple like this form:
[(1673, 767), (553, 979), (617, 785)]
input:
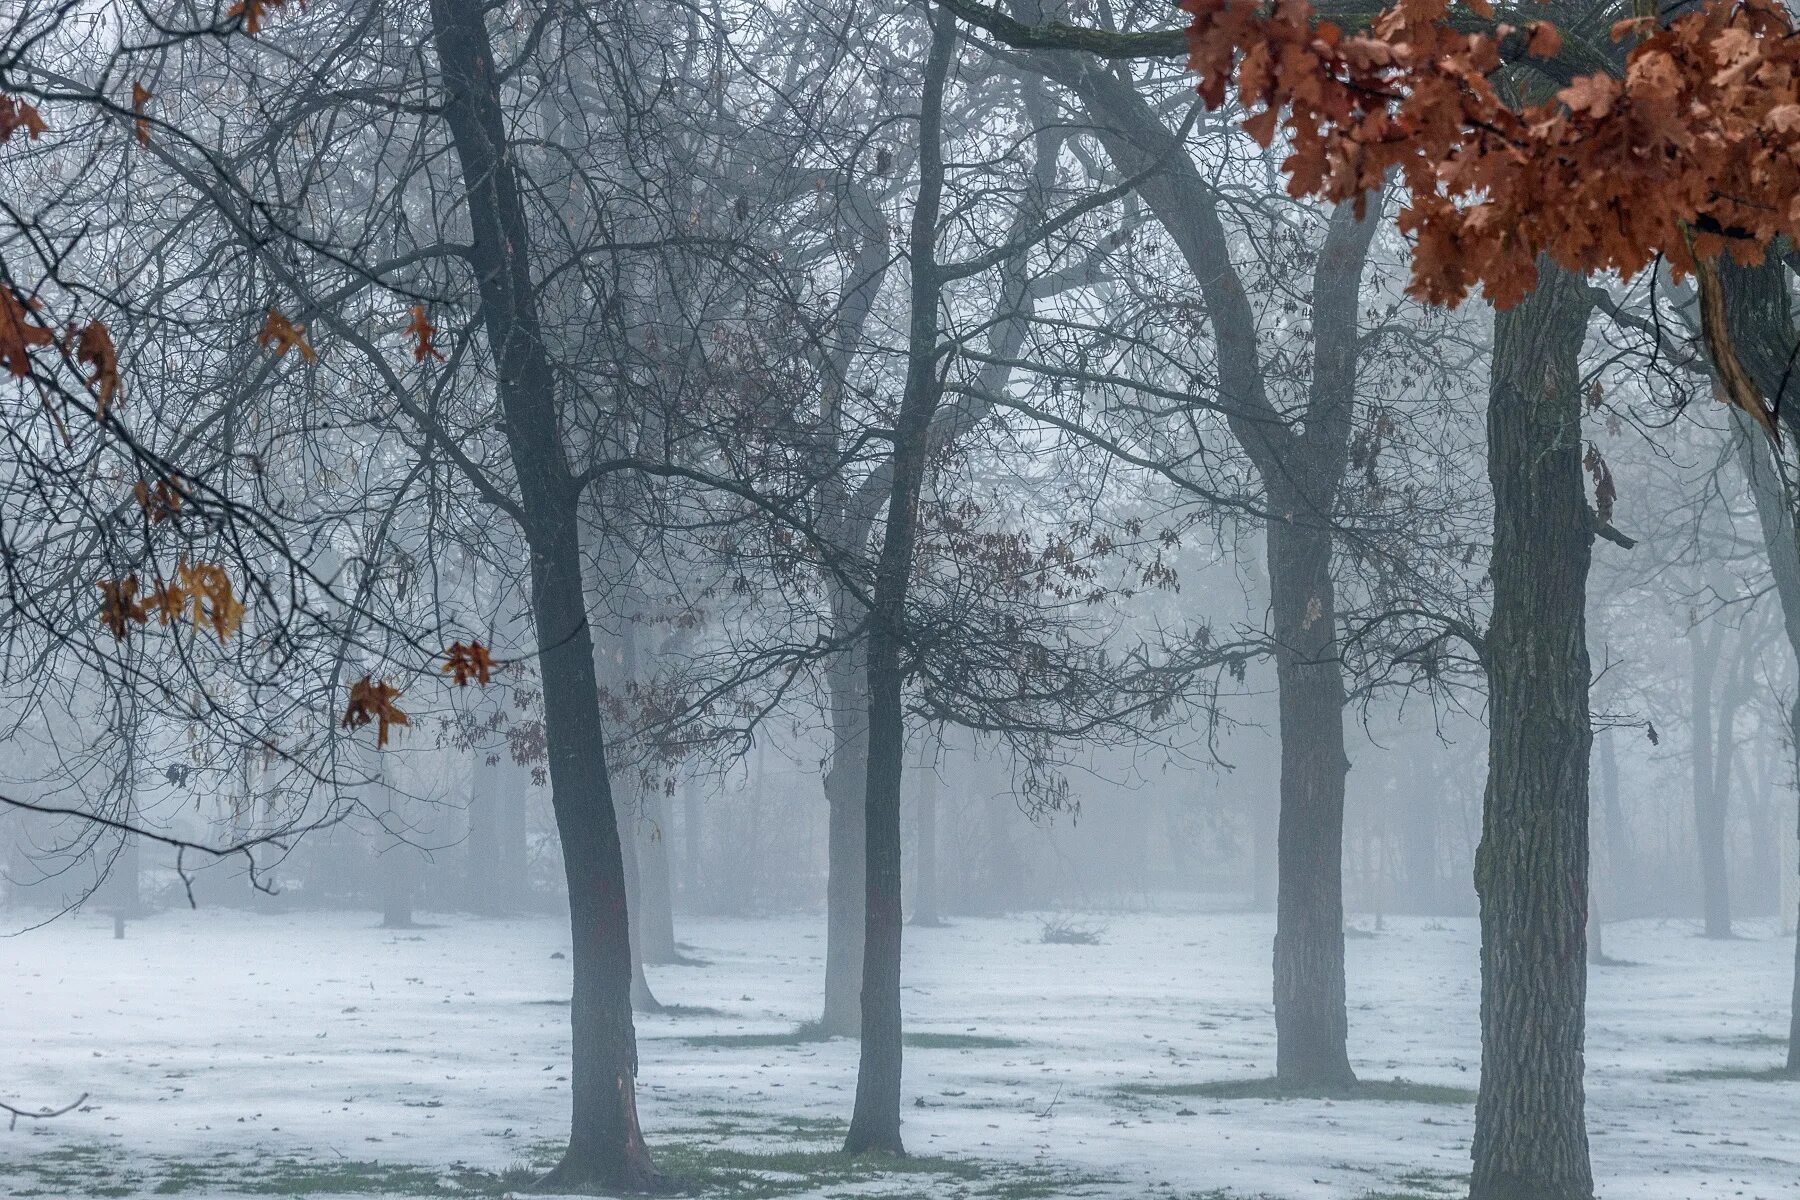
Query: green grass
[(1395, 1091)]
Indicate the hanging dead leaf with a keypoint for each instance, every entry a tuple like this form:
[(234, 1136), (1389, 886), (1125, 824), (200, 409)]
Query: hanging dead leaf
[(464, 663), (1606, 492), (160, 501), (20, 331), (372, 702), (208, 590), (421, 330), (94, 348), (255, 12), (281, 335), (141, 96), (16, 115), (119, 605)]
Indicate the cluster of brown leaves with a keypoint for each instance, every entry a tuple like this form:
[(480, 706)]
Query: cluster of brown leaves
[(91, 345), (200, 591), (466, 662), (372, 702), (160, 501), (1695, 151), (16, 114)]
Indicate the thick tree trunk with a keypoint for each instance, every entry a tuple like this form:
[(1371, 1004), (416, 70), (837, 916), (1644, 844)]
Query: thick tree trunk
[(1709, 807), (846, 879), (1531, 869), (1759, 308), (606, 1146), (1311, 1027)]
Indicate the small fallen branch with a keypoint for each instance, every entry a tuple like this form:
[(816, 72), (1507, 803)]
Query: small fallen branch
[(14, 1114)]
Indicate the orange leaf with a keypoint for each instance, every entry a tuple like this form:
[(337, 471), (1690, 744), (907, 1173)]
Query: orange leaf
[(467, 662), (254, 12), (283, 335), (422, 331), (20, 330), (374, 702), (17, 114), (119, 604), (140, 96), (94, 347)]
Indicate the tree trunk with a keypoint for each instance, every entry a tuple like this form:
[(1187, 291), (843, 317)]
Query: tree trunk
[(1531, 868), (642, 998), (481, 860), (396, 887), (1311, 1026), (926, 910), (1759, 310), (606, 1146), (846, 879), (875, 1122), (656, 909), (1709, 808), (693, 846)]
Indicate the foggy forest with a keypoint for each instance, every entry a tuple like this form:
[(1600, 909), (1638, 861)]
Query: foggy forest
[(967, 599)]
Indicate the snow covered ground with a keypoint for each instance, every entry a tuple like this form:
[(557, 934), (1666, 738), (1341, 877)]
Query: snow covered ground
[(220, 1048)]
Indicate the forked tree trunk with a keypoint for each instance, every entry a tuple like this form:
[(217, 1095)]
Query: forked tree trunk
[(1531, 869), (606, 1146)]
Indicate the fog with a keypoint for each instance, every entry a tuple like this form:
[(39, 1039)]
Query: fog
[(800, 601)]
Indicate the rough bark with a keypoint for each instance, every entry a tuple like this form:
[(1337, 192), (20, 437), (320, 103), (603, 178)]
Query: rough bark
[(606, 1146), (1532, 865)]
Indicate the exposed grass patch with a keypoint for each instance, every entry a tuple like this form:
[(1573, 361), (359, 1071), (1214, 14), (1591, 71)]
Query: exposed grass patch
[(960, 1041), (1753, 1074), (100, 1171), (1395, 1091), (747, 1040), (1751, 1040)]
